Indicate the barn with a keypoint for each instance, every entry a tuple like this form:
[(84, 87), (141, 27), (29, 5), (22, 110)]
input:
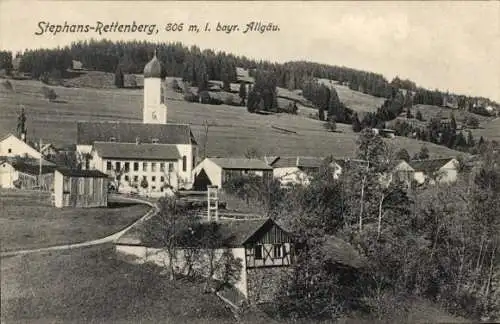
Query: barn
[(80, 188), (217, 171), (26, 174)]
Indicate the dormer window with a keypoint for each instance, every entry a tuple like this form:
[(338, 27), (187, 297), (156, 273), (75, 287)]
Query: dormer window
[(155, 141), (112, 139)]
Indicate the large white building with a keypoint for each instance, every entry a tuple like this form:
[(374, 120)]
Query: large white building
[(154, 152)]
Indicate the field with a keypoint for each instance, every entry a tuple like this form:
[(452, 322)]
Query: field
[(232, 130), (29, 221), (91, 286)]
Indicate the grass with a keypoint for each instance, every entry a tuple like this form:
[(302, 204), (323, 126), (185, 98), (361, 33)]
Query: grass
[(29, 221), (91, 286), (233, 130)]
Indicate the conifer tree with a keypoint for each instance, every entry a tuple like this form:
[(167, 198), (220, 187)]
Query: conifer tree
[(119, 79)]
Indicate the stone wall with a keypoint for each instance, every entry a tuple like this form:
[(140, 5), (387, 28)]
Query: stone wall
[(263, 283)]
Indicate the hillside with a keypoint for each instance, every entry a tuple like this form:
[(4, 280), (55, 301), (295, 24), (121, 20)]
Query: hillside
[(232, 132)]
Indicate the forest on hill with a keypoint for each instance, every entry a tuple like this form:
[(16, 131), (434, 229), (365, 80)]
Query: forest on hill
[(198, 66)]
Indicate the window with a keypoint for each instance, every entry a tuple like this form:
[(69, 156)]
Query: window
[(277, 251), (108, 166), (162, 179), (153, 188), (136, 166), (153, 167), (145, 166), (153, 178), (118, 166), (162, 167), (10, 150), (258, 252), (136, 178), (126, 178), (155, 141), (127, 166), (184, 163), (170, 167)]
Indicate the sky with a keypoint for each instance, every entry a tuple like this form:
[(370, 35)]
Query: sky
[(452, 46)]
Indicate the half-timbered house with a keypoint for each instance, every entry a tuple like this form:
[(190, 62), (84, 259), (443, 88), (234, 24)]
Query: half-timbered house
[(264, 249)]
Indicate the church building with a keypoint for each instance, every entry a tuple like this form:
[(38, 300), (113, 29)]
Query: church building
[(151, 155)]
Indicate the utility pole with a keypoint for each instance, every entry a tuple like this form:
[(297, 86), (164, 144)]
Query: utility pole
[(40, 167)]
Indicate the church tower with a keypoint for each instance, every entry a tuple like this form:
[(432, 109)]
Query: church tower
[(155, 110)]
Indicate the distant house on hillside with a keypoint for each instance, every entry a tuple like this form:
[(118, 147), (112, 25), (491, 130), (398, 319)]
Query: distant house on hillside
[(263, 247), (28, 174), (77, 65), (443, 170), (298, 169), (80, 188), (217, 171)]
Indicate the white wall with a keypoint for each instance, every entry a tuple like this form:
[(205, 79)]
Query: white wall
[(7, 175), (449, 172), (58, 189), (153, 102), (141, 255), (13, 146), (186, 177), (213, 171), (171, 178)]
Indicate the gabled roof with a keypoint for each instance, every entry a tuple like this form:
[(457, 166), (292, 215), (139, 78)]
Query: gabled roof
[(233, 233), (31, 168), (137, 151), (90, 132), (240, 163), (297, 161), (429, 165), (81, 173)]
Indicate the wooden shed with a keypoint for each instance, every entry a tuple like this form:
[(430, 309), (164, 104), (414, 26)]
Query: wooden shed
[(80, 188)]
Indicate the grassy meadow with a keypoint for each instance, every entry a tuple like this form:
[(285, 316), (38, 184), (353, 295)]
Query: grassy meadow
[(89, 285), (29, 220), (232, 130)]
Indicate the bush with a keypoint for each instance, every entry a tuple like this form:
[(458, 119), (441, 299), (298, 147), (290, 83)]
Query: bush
[(191, 97), (472, 122), (49, 93), (229, 100)]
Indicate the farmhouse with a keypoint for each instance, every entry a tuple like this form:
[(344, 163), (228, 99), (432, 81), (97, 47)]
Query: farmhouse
[(80, 188), (11, 146), (298, 169), (438, 170), (135, 142), (217, 171), (263, 248), (26, 174)]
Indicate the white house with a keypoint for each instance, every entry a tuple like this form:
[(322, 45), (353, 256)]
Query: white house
[(298, 169), (154, 130), (26, 174), (12, 146), (217, 171), (443, 170), (152, 167)]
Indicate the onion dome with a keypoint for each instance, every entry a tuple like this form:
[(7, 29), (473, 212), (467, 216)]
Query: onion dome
[(154, 68)]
